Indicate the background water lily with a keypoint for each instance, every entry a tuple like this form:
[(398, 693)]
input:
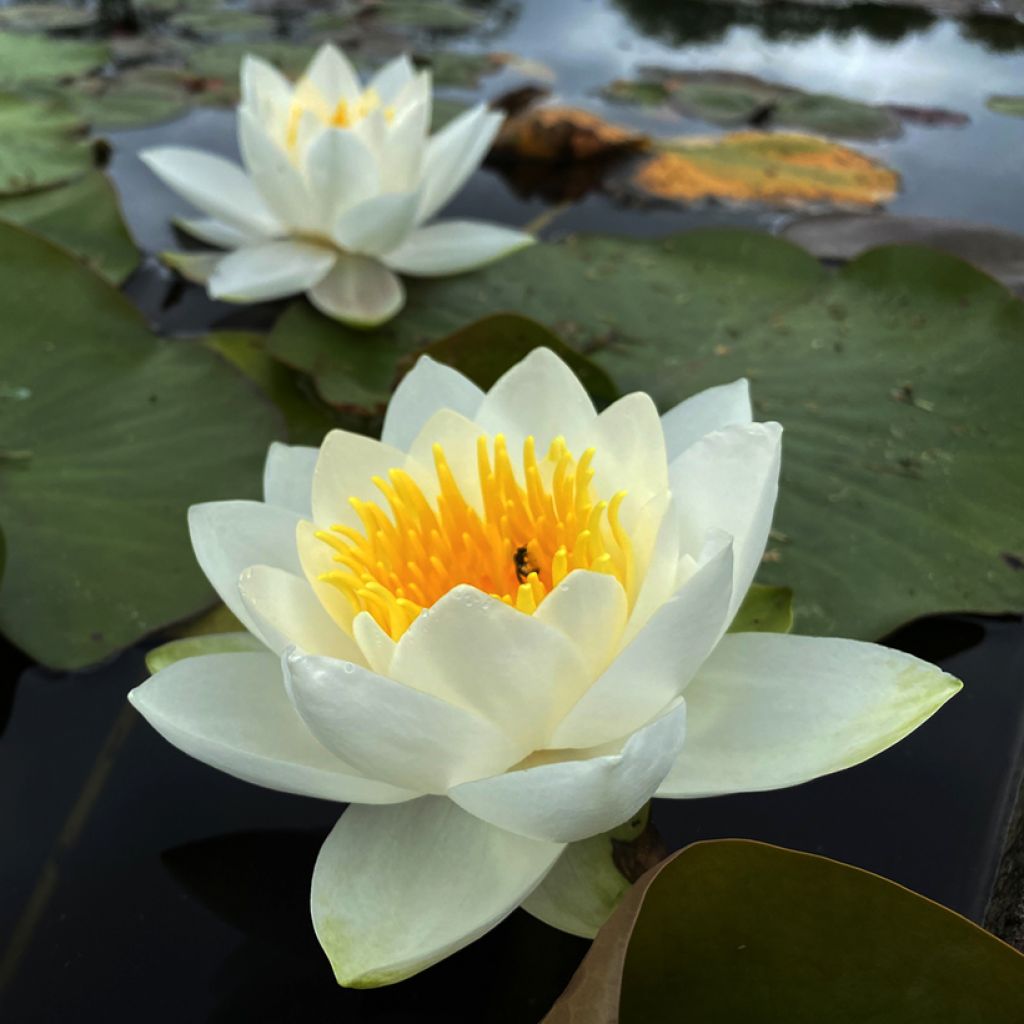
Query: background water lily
[(338, 182), (498, 625)]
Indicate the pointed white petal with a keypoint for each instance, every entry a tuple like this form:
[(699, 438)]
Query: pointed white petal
[(230, 536), (655, 668), (271, 270), (569, 800), (428, 387), (539, 397), (378, 649), (279, 182), (359, 291), (392, 78), (453, 154), (231, 711), (288, 477), (342, 171), (332, 75), (404, 142), (214, 185), (769, 710), (376, 225), (393, 732), (397, 890), (264, 89), (516, 671), (715, 408), (215, 232), (454, 246), (288, 612), (728, 480)]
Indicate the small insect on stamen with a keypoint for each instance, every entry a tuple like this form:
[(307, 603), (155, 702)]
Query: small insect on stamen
[(522, 564)]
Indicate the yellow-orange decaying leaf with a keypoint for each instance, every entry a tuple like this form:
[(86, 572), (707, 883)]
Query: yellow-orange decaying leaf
[(560, 134)]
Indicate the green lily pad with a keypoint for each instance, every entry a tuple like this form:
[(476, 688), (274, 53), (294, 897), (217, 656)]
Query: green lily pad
[(896, 378), (765, 610), (463, 70), (135, 97), (36, 60), (219, 64), (33, 17), (427, 15), (735, 931), (220, 23), (732, 99), (83, 217), (109, 435), (196, 646), (43, 143), (1012, 106)]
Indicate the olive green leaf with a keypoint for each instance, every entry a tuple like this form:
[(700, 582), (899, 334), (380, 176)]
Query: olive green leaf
[(83, 217), (37, 60), (1012, 106), (765, 610), (732, 931), (109, 435)]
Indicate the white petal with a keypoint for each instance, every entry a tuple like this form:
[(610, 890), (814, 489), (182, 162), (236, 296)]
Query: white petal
[(657, 561), (458, 436), (404, 142), (264, 89), (288, 477), (590, 608), (570, 800), (317, 559), (345, 469), (214, 185), (279, 182), (288, 612), (655, 668), (539, 397), (769, 710), (392, 78), (630, 449), (359, 291), (428, 387), (480, 654), (397, 890), (419, 89), (376, 225), (231, 711), (378, 649), (215, 232), (714, 408), (454, 246), (332, 75), (728, 480), (453, 154), (271, 270), (342, 171), (393, 732), (230, 536)]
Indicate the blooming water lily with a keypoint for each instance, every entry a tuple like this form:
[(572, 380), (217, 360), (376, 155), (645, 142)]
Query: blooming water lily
[(502, 628), (339, 180)]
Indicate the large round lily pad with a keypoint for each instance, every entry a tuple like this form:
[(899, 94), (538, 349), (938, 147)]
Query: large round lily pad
[(897, 380), (109, 434), (33, 60), (84, 217), (43, 143)]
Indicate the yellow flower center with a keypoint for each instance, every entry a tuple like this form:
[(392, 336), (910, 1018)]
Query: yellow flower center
[(345, 114), (525, 541)]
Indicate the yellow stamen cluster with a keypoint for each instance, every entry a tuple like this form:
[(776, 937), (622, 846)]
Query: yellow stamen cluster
[(529, 537), (345, 114)]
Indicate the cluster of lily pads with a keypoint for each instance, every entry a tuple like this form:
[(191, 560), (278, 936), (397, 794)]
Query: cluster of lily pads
[(895, 377)]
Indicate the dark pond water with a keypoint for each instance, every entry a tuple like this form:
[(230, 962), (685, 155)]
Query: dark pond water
[(138, 884)]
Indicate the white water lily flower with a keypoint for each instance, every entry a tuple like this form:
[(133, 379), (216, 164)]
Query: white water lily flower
[(339, 180), (497, 625)]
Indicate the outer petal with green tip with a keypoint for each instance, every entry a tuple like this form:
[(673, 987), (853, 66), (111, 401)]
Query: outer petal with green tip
[(769, 710), (397, 889)]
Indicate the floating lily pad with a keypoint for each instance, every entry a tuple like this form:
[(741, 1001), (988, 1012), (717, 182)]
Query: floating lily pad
[(136, 97), (1012, 106), (426, 14), (43, 144), (83, 217), (844, 236), (774, 169), (45, 17), (223, 23), (109, 435), (219, 64), (733, 930), (35, 60), (462, 70), (897, 380), (765, 610)]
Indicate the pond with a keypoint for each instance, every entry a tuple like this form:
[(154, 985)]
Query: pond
[(139, 883)]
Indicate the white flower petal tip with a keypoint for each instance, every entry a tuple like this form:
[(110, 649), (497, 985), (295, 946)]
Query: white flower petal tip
[(454, 247), (359, 292), (768, 711), (713, 409), (397, 890)]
